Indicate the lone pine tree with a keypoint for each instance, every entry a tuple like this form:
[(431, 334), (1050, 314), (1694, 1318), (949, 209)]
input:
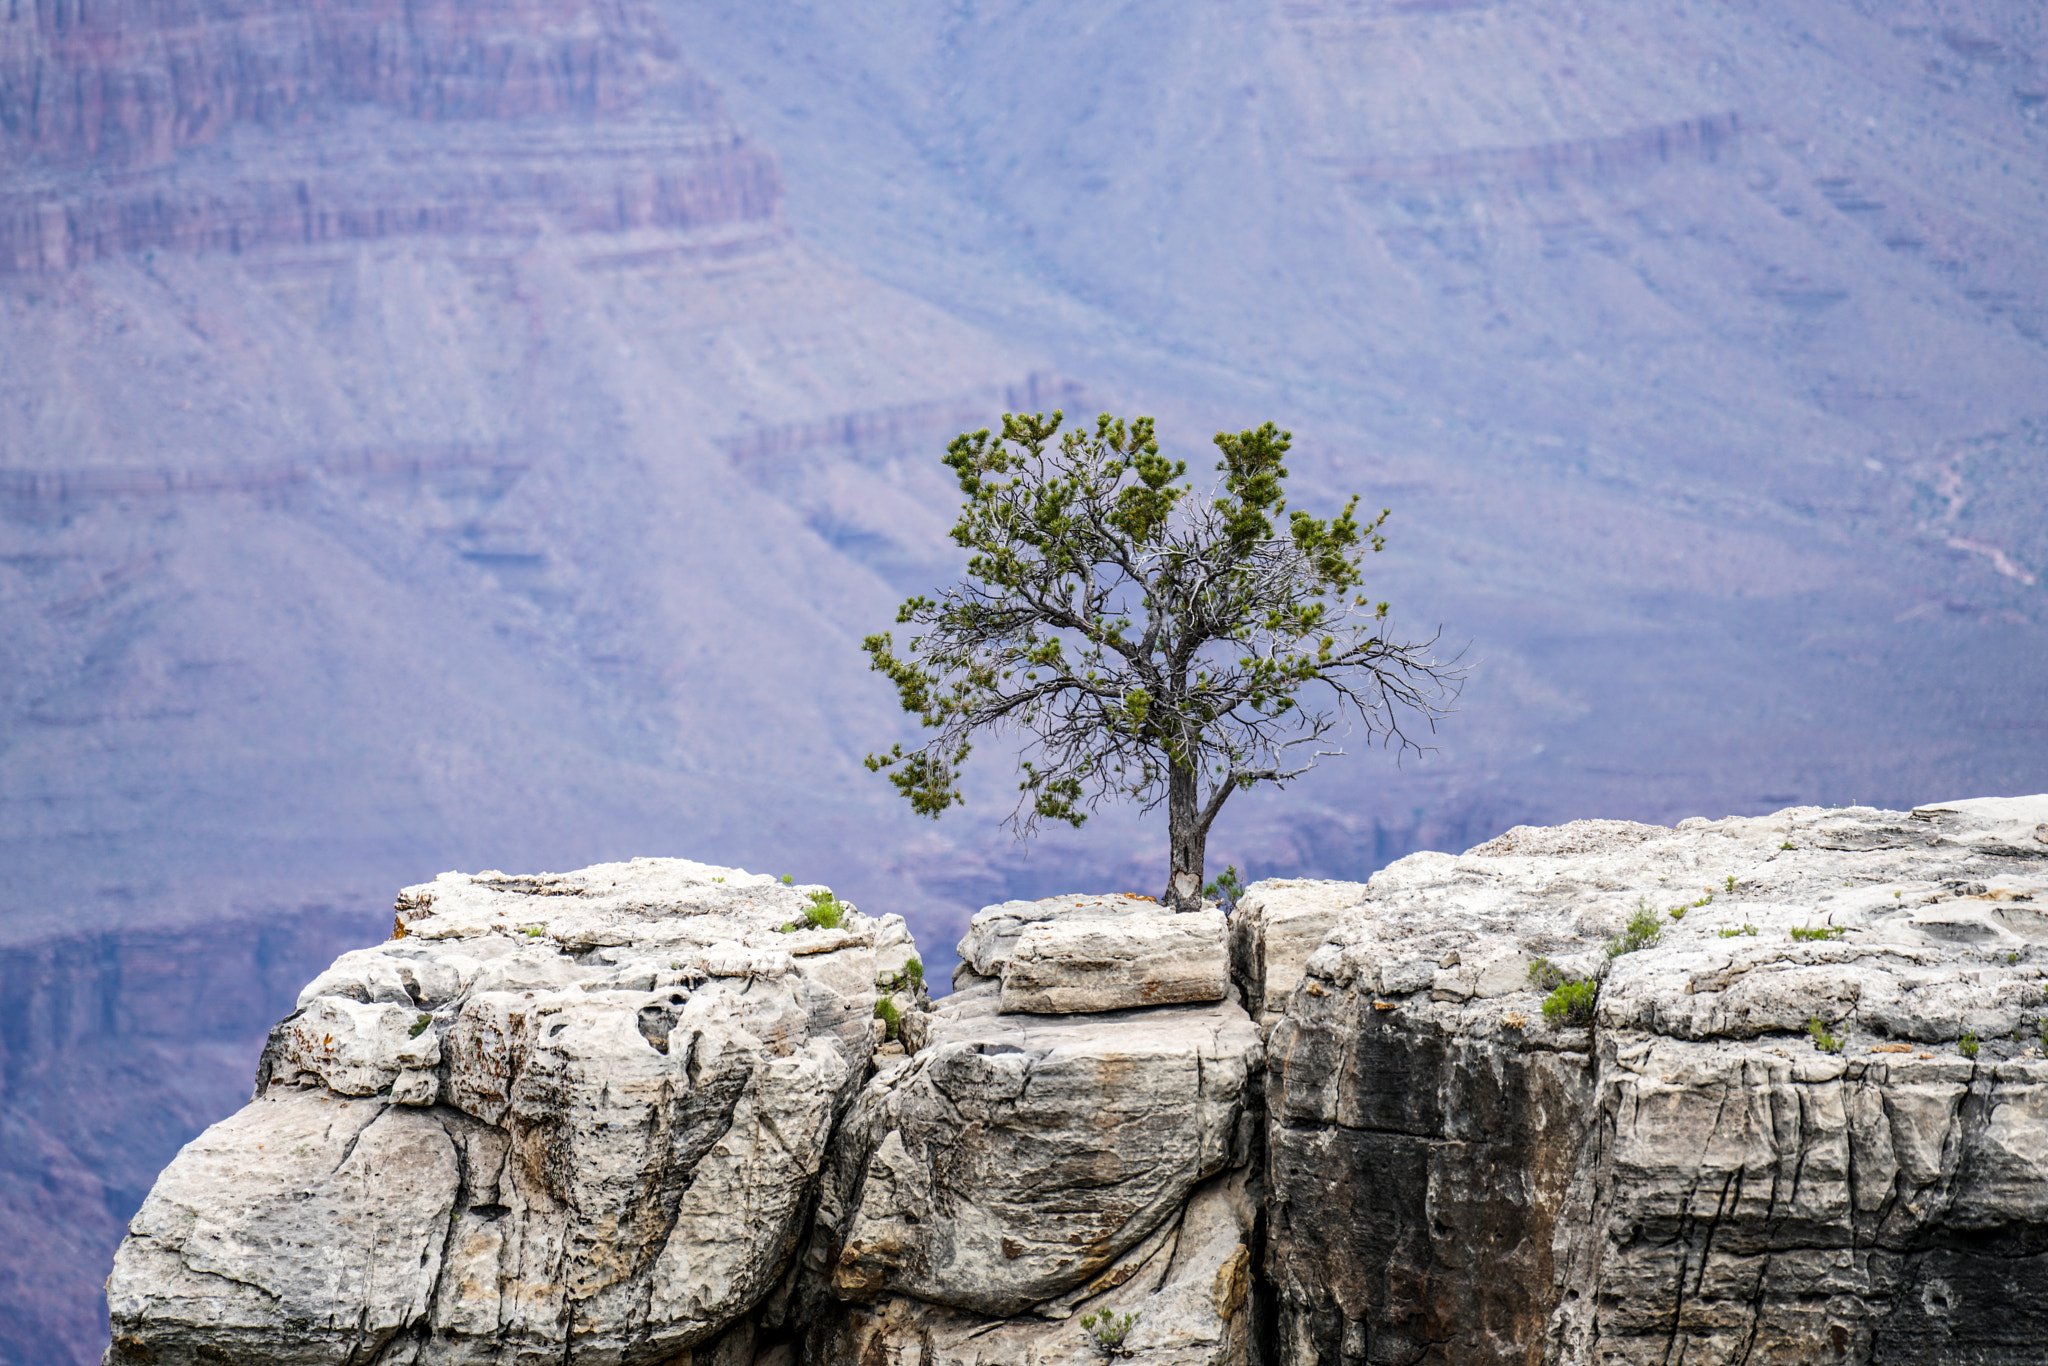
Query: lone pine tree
[(1146, 643)]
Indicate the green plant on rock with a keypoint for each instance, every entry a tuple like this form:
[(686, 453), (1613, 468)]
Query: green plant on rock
[(419, 1026), (1729, 885), (889, 1015), (1107, 1331), (1824, 1041), (1734, 930), (1968, 1045), (910, 977), (1227, 887), (1819, 933), (1572, 1002), (1545, 975), (825, 912), (1641, 932)]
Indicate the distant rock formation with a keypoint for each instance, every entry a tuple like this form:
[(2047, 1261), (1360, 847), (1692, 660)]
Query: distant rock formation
[(644, 1113), (448, 118)]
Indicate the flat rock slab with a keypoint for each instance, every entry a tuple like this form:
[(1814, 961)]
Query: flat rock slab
[(1076, 966), (1015, 1157)]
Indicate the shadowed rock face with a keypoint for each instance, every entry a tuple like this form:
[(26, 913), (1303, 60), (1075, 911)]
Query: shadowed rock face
[(1824, 1148)]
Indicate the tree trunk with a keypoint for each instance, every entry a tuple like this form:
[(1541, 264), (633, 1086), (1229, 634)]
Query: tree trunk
[(1187, 839)]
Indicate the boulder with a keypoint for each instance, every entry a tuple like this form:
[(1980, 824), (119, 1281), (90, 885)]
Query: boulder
[(557, 1117), (993, 932), (1081, 965)]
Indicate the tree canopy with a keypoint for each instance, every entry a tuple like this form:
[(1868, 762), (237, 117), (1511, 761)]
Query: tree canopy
[(1146, 643)]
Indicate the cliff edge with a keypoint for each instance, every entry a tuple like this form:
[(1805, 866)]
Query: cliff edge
[(1757, 1089)]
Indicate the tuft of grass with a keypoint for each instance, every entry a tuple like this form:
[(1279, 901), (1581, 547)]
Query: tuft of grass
[(1641, 932), (788, 879), (1107, 1330), (1729, 886), (1786, 845), (419, 1026), (1742, 929), (1823, 932), (2012, 957), (886, 1011), (1572, 1002), (1545, 975), (825, 912), (1824, 1041), (1968, 1045)]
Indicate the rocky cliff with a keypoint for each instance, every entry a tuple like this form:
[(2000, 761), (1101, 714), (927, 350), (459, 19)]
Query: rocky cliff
[(1763, 1089), (209, 126)]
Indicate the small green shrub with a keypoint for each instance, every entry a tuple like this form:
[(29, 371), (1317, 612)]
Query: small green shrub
[(1823, 932), (1107, 1330), (789, 879), (824, 913), (535, 931), (1731, 932), (1729, 885), (1545, 975), (1572, 1002), (886, 1011), (1640, 933), (1824, 1041), (909, 978), (420, 1026), (1228, 886), (1968, 1043), (2012, 958), (1786, 845)]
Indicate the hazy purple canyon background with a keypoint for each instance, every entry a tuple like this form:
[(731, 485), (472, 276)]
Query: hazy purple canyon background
[(460, 435)]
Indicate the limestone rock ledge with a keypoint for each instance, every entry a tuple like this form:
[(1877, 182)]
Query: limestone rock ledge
[(573, 1117), (1763, 1148)]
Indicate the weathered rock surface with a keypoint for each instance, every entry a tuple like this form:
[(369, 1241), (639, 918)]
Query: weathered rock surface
[(1762, 1149), (1016, 1156), (1157, 958), (621, 1116), (1033, 1163), (570, 1117), (1188, 1287)]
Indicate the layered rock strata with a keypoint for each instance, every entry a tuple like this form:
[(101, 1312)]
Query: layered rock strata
[(1808, 1122), (209, 127), (557, 1118)]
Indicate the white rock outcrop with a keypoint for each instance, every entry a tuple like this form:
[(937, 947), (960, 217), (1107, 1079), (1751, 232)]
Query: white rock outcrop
[(636, 1116), (571, 1117), (1807, 1122)]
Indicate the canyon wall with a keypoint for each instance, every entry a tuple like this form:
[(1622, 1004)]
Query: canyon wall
[(658, 1111), (212, 127)]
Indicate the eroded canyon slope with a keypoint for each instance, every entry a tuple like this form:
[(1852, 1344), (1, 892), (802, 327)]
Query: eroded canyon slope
[(477, 435)]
